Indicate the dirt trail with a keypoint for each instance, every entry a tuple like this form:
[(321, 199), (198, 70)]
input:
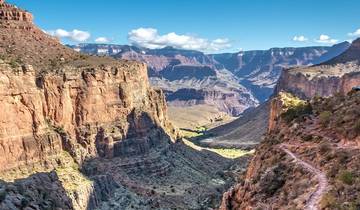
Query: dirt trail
[(315, 197)]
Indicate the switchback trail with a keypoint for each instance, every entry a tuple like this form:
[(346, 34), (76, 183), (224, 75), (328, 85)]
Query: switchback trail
[(315, 197)]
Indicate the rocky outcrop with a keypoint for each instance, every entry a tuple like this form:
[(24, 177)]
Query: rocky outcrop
[(275, 111), (9, 12), (329, 80), (307, 132), (54, 99), (338, 75), (304, 159), (87, 111)]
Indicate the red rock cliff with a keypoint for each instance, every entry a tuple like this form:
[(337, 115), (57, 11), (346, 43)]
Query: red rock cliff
[(338, 75), (87, 106)]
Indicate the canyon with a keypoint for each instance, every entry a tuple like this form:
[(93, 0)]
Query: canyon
[(207, 78), (86, 132), (87, 126), (210, 89)]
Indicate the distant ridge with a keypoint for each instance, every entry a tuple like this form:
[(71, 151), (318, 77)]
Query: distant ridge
[(351, 54)]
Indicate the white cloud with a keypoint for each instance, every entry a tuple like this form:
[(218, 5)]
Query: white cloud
[(355, 33), (102, 40), (325, 39), (150, 38), (300, 38), (74, 35)]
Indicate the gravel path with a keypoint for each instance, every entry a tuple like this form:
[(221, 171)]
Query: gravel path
[(315, 197)]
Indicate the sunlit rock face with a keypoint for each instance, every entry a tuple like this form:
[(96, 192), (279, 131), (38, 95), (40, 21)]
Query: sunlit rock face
[(338, 75), (54, 99)]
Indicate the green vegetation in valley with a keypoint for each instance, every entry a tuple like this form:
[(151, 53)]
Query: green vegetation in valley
[(188, 133), (224, 152)]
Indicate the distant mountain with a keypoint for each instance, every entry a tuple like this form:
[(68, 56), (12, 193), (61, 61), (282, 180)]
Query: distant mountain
[(352, 54), (232, 82), (337, 75), (259, 70)]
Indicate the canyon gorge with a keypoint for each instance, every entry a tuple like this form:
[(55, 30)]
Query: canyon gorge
[(104, 126), (85, 132)]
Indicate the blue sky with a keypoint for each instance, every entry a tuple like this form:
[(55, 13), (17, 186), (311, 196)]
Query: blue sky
[(206, 25)]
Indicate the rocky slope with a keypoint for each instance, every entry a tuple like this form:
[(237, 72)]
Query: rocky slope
[(320, 135), (245, 132), (338, 75), (83, 132), (309, 160)]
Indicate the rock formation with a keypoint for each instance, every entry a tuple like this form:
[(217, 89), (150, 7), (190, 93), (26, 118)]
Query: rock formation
[(321, 135), (249, 76), (87, 132), (88, 106), (307, 158), (338, 75), (259, 70), (9, 12)]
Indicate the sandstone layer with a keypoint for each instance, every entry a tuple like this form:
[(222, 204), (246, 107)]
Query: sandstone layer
[(86, 132), (338, 75)]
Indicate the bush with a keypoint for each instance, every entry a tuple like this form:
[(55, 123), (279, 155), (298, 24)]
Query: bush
[(324, 148), (2, 195), (296, 112), (307, 137), (346, 177), (357, 127), (14, 64), (328, 201), (325, 118)]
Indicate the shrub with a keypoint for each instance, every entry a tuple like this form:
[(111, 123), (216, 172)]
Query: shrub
[(328, 201), (324, 148), (297, 111), (343, 157), (60, 130), (2, 195), (24, 202), (14, 64), (325, 118), (307, 137), (357, 127), (346, 177)]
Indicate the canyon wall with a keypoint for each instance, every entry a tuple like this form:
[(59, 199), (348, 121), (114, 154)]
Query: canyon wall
[(53, 99), (228, 102), (338, 75), (306, 86), (87, 112)]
